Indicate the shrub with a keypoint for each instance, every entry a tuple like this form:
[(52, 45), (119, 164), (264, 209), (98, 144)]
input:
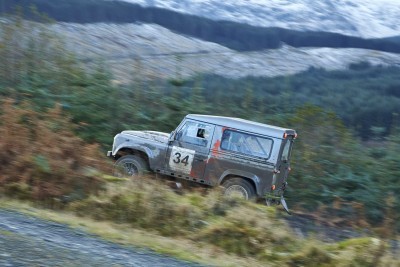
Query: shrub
[(148, 205), (40, 157), (248, 230), (311, 256)]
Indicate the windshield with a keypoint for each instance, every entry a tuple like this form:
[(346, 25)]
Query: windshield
[(286, 151)]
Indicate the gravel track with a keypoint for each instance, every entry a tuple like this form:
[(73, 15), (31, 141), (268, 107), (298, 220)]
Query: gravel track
[(29, 241)]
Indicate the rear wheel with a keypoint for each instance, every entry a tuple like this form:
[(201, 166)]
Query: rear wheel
[(129, 166), (239, 187)]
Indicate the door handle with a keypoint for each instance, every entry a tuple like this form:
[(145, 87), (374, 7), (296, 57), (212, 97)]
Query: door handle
[(199, 159)]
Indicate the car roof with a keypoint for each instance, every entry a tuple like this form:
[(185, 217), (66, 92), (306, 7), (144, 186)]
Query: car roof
[(244, 125)]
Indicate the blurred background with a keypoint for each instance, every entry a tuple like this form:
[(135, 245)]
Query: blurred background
[(74, 73)]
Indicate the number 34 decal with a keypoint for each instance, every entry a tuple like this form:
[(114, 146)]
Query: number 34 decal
[(181, 159), (177, 159)]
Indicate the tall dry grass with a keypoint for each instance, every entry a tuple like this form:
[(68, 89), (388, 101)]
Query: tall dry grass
[(41, 158)]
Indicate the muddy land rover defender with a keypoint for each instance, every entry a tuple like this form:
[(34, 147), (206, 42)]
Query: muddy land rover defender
[(247, 158)]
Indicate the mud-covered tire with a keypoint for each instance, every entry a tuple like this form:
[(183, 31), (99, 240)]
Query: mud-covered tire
[(130, 166), (239, 187)]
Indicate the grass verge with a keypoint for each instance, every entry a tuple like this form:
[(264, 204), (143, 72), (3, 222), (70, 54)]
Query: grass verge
[(124, 234), (205, 227)]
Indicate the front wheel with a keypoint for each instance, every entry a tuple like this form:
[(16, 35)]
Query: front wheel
[(238, 187), (129, 166)]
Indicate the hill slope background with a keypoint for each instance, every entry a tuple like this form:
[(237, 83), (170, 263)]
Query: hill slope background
[(362, 18), (237, 36), (154, 51)]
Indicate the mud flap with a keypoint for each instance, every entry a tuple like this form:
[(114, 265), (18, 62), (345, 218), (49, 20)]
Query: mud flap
[(283, 202)]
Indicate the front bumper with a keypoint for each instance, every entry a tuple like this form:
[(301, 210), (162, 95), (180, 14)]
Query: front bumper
[(109, 154)]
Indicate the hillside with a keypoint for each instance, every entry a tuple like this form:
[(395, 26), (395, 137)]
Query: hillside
[(154, 51), (363, 18), (176, 45), (237, 36)]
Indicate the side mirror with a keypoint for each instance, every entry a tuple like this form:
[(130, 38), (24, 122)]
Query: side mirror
[(171, 137)]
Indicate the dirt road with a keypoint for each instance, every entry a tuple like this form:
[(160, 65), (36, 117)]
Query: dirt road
[(29, 241)]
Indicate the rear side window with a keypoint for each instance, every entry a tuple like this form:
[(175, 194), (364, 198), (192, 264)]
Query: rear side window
[(246, 143)]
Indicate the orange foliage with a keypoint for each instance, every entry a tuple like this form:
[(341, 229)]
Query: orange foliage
[(41, 158)]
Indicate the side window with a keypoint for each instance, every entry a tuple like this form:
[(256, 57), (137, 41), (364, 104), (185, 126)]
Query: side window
[(246, 143), (194, 133)]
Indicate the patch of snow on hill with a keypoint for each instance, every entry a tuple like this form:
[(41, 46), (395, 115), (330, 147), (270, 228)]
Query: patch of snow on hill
[(151, 51), (364, 18)]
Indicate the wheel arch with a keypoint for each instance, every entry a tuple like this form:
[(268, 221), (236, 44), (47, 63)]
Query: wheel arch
[(251, 178), (133, 151)]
